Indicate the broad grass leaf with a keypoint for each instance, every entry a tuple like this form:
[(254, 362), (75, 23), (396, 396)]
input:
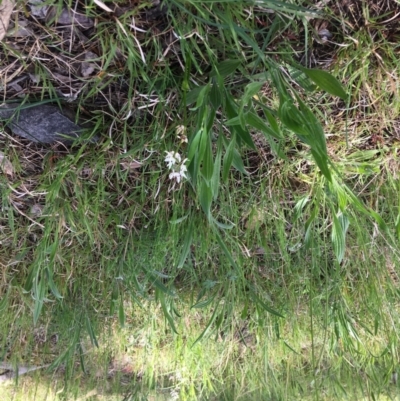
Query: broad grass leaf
[(186, 246), (339, 229), (215, 179), (40, 289), (180, 220), (291, 117), (228, 159), (121, 313), (305, 125), (215, 96), (223, 226), (256, 122), (326, 82), (299, 206), (114, 298), (91, 333), (3, 302), (158, 284), (232, 112), (301, 79), (271, 134), (205, 198), (202, 96), (193, 95), (52, 285), (250, 90), (194, 145), (308, 226), (322, 163), (204, 303), (225, 68), (398, 226), (225, 249), (257, 300), (237, 162), (166, 312), (209, 324), (273, 123), (207, 162)]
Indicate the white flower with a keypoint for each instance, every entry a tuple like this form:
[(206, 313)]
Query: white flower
[(174, 395), (170, 159), (176, 165), (177, 176), (183, 169)]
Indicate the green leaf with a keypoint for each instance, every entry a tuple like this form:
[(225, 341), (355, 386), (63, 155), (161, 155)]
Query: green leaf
[(180, 220), (207, 162), (201, 97), (225, 68), (215, 96), (167, 314), (291, 117), (299, 206), (204, 303), (228, 159), (223, 226), (231, 112), (308, 227), (250, 90), (209, 324), (301, 79), (205, 198), (398, 226), (225, 249), (326, 82), (215, 179), (256, 122), (237, 162), (39, 295), (194, 145), (90, 330), (339, 229), (245, 136), (273, 123), (322, 163), (186, 246), (193, 95), (3, 302), (259, 301), (53, 287), (121, 313)]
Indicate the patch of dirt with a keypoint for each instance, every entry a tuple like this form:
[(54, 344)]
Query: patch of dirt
[(55, 50)]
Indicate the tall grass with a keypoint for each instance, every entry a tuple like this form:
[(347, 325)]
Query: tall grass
[(270, 273)]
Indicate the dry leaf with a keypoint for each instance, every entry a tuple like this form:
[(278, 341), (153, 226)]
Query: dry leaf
[(38, 8), (6, 9), (87, 68), (131, 165), (5, 165), (70, 17), (103, 6)]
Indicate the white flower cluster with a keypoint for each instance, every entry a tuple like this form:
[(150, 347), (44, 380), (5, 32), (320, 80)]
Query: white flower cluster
[(176, 165)]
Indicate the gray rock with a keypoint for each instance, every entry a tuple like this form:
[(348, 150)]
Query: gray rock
[(40, 123), (10, 372)]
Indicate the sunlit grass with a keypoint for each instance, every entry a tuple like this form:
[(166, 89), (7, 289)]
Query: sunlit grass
[(148, 302)]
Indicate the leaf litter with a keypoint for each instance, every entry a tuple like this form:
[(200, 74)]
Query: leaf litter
[(6, 9), (56, 44)]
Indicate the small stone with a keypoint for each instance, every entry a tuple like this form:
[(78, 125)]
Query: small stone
[(42, 123)]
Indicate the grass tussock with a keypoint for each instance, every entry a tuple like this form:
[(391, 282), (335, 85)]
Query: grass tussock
[(270, 270)]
